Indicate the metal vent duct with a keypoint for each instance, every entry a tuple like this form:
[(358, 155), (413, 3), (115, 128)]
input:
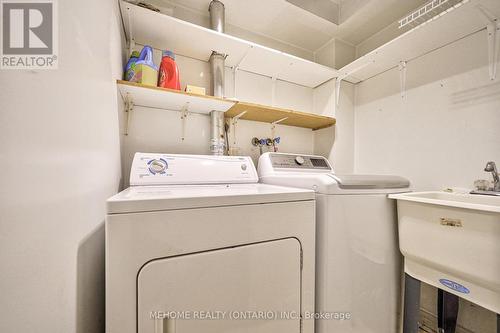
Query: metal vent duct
[(217, 60), (217, 16)]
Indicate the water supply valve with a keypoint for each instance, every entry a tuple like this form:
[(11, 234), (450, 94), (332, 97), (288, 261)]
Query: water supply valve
[(269, 142)]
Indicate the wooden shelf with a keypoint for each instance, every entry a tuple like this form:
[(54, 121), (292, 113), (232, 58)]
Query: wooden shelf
[(175, 100), (269, 114), (441, 30), (166, 32), (161, 98)]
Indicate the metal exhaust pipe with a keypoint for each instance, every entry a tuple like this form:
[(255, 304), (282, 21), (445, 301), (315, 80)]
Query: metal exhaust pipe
[(217, 16), (217, 60)]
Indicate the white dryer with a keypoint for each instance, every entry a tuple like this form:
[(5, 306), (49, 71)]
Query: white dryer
[(358, 264), (196, 244)]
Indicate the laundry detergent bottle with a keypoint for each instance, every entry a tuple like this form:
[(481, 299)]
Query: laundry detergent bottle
[(144, 70), (168, 76)]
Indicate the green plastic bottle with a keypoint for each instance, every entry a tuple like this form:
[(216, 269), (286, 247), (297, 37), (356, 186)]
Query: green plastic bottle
[(129, 68)]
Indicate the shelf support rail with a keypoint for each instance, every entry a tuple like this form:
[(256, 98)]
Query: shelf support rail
[(238, 116), (279, 121), (402, 78), (184, 115), (273, 126), (235, 70), (273, 90), (131, 46), (237, 67), (493, 29), (131, 41), (342, 76), (129, 107), (234, 122)]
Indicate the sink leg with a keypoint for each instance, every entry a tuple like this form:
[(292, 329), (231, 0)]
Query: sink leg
[(447, 312), (411, 305)]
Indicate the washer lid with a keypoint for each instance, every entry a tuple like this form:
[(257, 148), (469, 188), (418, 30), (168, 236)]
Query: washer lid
[(370, 182), (315, 172), (156, 198)]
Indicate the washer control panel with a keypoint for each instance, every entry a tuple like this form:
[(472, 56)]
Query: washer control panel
[(168, 169), (291, 161)]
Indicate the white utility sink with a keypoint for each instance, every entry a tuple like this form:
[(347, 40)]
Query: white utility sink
[(485, 203), (452, 241)]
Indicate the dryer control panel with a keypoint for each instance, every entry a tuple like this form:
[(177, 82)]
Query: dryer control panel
[(291, 161), (170, 169)]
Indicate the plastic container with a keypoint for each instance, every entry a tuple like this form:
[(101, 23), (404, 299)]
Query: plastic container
[(168, 76), (144, 70), (130, 67)]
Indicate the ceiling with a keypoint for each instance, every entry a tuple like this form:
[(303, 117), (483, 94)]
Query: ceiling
[(288, 23)]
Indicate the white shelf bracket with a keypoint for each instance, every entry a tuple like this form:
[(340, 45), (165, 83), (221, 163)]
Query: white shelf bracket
[(131, 41), (342, 76), (129, 107), (238, 116), (493, 48), (273, 90), (493, 30), (279, 121), (234, 122), (131, 46), (184, 115), (273, 126), (338, 81), (236, 68), (402, 78)]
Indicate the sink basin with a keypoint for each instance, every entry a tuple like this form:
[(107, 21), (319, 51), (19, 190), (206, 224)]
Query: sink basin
[(452, 241), (485, 203)]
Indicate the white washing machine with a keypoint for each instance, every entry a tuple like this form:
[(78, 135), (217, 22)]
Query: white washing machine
[(358, 264), (196, 244)]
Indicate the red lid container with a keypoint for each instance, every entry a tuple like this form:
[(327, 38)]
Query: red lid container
[(168, 76)]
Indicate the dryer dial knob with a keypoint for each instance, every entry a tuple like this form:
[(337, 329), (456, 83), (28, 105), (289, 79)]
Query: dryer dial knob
[(299, 160), (157, 166)]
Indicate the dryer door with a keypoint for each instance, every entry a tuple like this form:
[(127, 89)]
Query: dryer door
[(249, 288)]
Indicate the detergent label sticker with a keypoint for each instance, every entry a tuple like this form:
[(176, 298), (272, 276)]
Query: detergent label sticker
[(29, 38), (454, 286)]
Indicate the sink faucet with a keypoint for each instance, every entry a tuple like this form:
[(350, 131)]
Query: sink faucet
[(491, 167)]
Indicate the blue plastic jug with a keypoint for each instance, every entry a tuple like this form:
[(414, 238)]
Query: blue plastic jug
[(146, 57), (144, 70)]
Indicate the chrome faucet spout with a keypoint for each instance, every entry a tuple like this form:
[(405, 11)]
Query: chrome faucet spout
[(491, 167)]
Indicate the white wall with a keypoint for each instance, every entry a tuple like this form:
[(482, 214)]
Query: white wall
[(445, 130), (379, 38), (335, 53), (59, 151), (336, 142), (440, 136)]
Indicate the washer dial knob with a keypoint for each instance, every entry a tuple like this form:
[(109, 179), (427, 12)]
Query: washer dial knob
[(157, 166), (299, 160)]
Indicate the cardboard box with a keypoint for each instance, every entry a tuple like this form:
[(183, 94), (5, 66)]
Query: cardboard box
[(195, 90)]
